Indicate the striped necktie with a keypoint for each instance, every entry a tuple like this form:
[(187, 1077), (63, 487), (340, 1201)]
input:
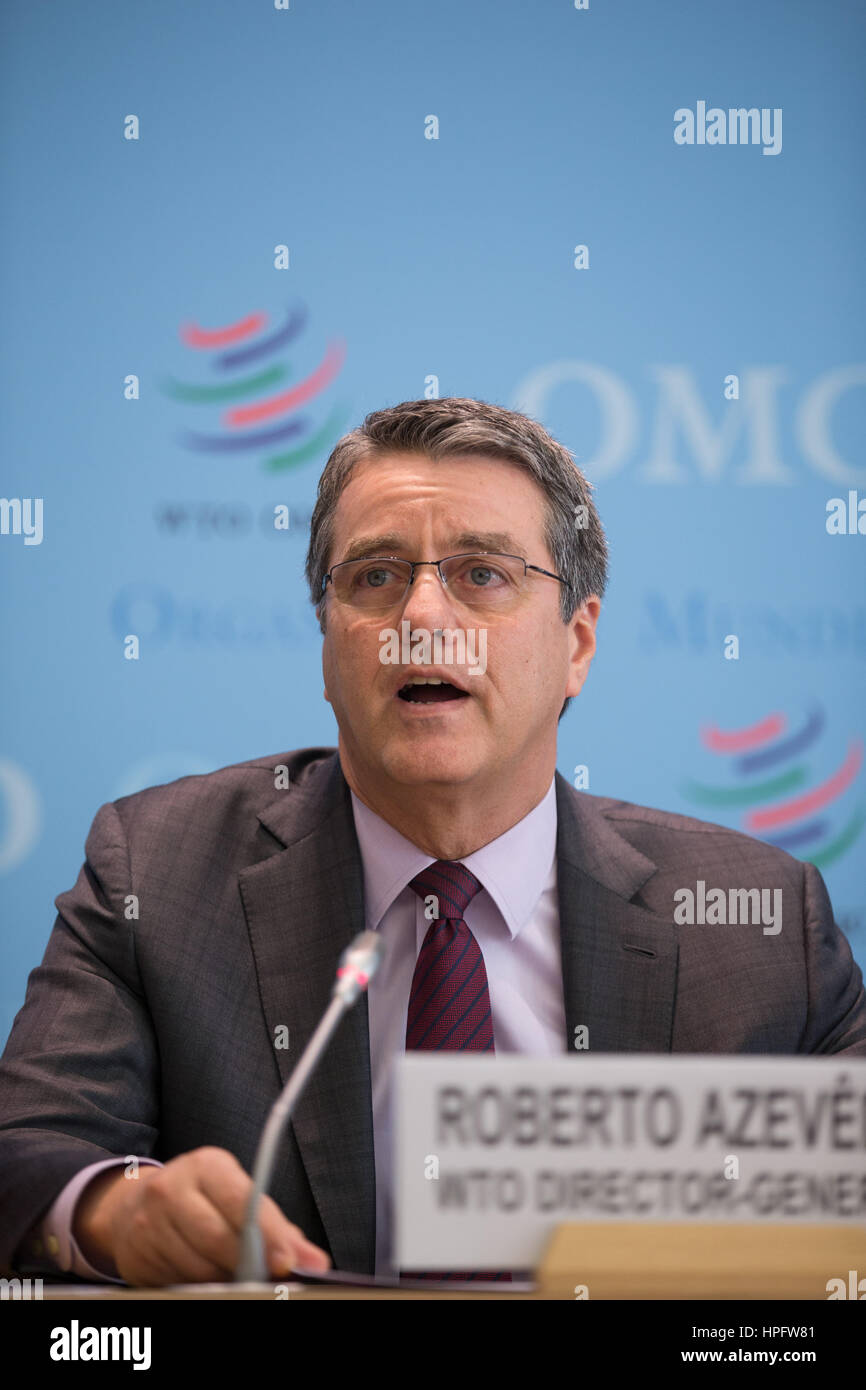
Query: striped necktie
[(449, 1003)]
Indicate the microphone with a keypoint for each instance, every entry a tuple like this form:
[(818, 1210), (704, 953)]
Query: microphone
[(358, 964)]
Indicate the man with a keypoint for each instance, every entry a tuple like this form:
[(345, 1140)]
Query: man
[(457, 564)]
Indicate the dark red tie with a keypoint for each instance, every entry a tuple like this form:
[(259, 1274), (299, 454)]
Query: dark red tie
[(449, 1003)]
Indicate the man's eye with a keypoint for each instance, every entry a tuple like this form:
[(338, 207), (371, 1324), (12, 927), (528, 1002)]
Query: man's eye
[(375, 577), (482, 576)]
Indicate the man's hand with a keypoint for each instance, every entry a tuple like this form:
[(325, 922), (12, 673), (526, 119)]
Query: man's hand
[(181, 1223)]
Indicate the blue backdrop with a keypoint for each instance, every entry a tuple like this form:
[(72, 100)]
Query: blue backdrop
[(232, 229)]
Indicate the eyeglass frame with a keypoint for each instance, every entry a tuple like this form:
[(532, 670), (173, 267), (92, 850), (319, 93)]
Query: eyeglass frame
[(493, 554)]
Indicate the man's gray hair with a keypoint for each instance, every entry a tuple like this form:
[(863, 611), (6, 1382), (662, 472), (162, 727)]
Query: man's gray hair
[(457, 425)]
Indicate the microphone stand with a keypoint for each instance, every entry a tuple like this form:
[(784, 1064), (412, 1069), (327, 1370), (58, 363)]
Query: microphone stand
[(358, 964)]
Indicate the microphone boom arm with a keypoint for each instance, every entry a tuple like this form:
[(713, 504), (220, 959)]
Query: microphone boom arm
[(358, 964)]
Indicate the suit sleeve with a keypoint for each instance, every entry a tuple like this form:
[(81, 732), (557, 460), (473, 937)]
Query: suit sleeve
[(836, 1020), (79, 1077)]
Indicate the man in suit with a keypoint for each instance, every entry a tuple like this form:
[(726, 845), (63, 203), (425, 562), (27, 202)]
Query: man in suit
[(203, 932)]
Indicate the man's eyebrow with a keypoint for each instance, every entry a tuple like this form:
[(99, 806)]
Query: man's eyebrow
[(487, 540), (361, 546), (392, 543)]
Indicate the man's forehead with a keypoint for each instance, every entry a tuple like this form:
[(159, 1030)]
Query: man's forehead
[(512, 524)]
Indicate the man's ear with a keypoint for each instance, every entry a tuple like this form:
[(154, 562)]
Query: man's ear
[(582, 640), (324, 677)]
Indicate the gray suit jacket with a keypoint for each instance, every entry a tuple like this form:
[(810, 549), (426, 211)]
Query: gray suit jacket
[(154, 1034)]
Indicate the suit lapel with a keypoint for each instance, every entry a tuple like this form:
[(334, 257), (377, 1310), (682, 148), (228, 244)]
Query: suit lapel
[(303, 905), (619, 961)]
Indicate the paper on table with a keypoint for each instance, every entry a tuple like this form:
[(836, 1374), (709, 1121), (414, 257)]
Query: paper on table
[(390, 1281)]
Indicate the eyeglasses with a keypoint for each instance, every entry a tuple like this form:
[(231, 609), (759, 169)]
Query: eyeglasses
[(485, 580)]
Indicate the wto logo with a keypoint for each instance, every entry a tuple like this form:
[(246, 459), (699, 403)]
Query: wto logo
[(769, 775), (251, 402)]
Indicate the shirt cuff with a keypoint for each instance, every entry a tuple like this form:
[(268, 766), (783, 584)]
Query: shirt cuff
[(53, 1240)]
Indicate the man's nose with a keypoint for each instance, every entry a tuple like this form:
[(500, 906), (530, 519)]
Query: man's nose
[(427, 602)]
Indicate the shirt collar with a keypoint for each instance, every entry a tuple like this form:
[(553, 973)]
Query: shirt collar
[(514, 868)]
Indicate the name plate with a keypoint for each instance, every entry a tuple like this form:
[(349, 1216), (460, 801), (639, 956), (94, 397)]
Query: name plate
[(492, 1153)]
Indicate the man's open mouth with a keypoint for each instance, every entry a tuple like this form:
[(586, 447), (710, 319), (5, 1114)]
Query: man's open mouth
[(429, 690)]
